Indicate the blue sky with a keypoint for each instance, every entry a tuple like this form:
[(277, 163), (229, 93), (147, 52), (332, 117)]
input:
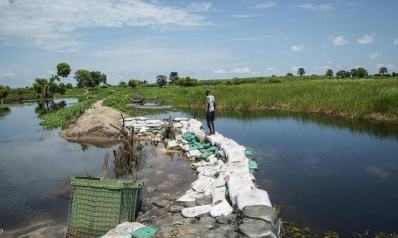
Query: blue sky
[(138, 39)]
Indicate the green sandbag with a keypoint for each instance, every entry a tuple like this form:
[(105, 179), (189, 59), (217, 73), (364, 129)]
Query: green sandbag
[(144, 232), (206, 145), (205, 155), (249, 152), (213, 148)]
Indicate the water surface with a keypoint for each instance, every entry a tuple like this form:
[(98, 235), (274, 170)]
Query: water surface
[(329, 174)]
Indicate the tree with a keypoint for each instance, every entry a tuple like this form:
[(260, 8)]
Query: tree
[(347, 74), (3, 92), (181, 82), (97, 78), (133, 83), (383, 70), (39, 86), (83, 78), (300, 71), (122, 84), (340, 74), (289, 74), (161, 80), (354, 73), (394, 74), (63, 70), (362, 73), (329, 72), (173, 77), (142, 82)]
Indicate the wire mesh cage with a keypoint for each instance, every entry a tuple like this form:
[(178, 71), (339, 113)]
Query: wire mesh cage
[(99, 205)]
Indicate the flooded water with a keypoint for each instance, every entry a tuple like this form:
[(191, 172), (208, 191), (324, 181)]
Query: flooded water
[(329, 174)]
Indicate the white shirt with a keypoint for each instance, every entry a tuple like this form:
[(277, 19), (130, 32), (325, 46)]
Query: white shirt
[(210, 103)]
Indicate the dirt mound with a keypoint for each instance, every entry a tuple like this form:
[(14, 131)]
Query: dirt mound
[(93, 127)]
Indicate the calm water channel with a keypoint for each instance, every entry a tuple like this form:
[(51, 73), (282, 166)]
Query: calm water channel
[(329, 174)]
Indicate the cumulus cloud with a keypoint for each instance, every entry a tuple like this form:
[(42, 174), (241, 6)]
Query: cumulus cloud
[(7, 74), (265, 5), (339, 40), (395, 41), (298, 47), (242, 16), (315, 7), (366, 39), (199, 7), (219, 71), (41, 22), (375, 55), (241, 70)]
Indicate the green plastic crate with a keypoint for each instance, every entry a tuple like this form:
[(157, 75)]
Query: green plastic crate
[(99, 205)]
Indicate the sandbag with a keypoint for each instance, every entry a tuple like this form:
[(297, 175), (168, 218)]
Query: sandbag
[(221, 209), (181, 119), (195, 211), (193, 153), (261, 212), (172, 144), (257, 228), (253, 197), (205, 155), (210, 170), (202, 184), (238, 183), (123, 230), (200, 136), (220, 182), (153, 121), (190, 196), (214, 139), (237, 167), (218, 195), (236, 155)]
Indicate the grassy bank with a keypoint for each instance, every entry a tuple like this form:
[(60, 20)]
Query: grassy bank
[(363, 99), (373, 100)]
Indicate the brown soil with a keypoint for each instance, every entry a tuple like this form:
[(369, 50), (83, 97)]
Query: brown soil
[(94, 127)]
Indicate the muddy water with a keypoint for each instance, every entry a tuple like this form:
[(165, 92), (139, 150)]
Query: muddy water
[(329, 174)]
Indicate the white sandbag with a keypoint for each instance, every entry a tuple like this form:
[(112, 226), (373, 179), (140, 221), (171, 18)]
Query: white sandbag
[(239, 182), (237, 167), (153, 121), (222, 209), (212, 159), (253, 197), (185, 148), (152, 125), (226, 142), (184, 130), (195, 211), (200, 136), (194, 153), (181, 119), (215, 138), (172, 144), (220, 182), (202, 184), (128, 119), (210, 170), (190, 196), (218, 195), (236, 155), (177, 125)]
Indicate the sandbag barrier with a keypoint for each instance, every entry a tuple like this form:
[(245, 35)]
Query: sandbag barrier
[(225, 173)]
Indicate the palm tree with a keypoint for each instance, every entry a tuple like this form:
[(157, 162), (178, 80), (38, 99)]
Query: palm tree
[(300, 71), (383, 70)]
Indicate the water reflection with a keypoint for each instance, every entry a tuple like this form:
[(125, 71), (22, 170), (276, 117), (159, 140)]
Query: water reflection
[(4, 111), (47, 106)]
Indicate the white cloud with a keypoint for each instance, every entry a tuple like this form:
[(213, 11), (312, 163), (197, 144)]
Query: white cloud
[(315, 7), (219, 71), (339, 40), (366, 39), (390, 66), (242, 16), (298, 47), (52, 24), (7, 74), (265, 5), (395, 41), (241, 70), (375, 55), (295, 68), (199, 7)]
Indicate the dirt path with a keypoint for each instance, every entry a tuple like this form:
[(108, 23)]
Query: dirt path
[(93, 127)]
